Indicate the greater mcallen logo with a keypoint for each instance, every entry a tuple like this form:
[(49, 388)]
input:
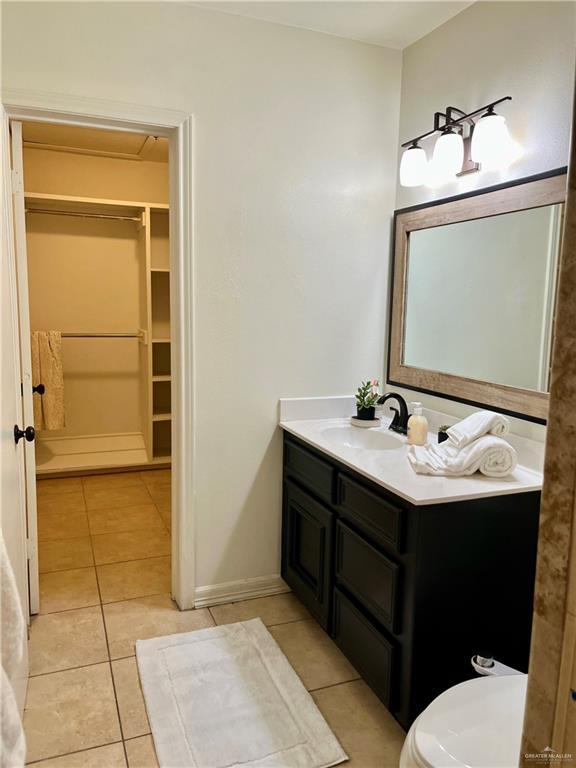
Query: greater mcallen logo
[(548, 755)]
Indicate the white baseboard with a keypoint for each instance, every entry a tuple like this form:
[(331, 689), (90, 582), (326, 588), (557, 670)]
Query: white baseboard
[(233, 591)]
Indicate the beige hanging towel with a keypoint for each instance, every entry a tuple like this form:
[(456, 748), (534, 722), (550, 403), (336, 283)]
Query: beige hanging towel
[(47, 370)]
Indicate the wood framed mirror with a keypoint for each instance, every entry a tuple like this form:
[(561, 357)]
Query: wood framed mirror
[(473, 295)]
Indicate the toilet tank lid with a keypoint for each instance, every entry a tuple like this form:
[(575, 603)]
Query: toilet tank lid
[(477, 724)]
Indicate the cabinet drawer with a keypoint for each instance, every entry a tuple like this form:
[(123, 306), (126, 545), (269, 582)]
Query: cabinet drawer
[(310, 470), (367, 648), (374, 513), (368, 575)]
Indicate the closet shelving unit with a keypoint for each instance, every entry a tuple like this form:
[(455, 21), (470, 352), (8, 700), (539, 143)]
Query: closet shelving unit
[(151, 221), (160, 370)]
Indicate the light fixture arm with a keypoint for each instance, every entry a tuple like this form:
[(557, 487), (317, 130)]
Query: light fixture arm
[(451, 120), (463, 118)]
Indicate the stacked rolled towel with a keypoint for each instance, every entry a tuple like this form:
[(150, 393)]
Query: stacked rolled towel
[(477, 425), (474, 445)]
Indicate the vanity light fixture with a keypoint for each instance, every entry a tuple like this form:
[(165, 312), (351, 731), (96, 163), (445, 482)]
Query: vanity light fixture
[(463, 144), (492, 146), (447, 157), (413, 166)]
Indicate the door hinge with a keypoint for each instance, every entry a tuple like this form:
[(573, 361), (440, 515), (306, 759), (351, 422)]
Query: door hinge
[(17, 185), (31, 549)]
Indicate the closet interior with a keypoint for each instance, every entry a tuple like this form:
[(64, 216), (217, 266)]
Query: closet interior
[(97, 231)]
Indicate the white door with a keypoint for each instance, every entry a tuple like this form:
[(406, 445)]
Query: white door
[(25, 359), (12, 467)]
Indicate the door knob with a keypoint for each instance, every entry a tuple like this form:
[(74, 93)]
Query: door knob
[(27, 433), (40, 388)]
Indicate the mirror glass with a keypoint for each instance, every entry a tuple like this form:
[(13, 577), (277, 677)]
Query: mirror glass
[(480, 297)]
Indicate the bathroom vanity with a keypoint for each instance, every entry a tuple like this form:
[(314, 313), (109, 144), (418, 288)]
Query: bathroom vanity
[(410, 575)]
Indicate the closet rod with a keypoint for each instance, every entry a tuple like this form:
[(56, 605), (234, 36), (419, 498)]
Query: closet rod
[(84, 215), (127, 335)]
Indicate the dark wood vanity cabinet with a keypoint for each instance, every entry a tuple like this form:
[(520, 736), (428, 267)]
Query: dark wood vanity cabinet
[(409, 593)]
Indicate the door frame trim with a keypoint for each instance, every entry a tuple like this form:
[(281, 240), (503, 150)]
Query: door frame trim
[(178, 127)]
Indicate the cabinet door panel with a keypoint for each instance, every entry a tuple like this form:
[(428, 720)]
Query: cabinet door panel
[(307, 550)]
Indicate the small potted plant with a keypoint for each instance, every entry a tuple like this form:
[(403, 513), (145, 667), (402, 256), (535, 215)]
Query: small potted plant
[(443, 433), (366, 399)]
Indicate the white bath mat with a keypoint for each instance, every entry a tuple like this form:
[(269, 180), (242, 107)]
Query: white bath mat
[(226, 697)]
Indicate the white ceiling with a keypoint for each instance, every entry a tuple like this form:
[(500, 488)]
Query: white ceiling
[(389, 24)]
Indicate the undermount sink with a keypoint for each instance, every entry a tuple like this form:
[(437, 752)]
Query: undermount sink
[(366, 439)]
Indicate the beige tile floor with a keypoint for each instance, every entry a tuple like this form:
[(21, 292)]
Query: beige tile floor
[(107, 586)]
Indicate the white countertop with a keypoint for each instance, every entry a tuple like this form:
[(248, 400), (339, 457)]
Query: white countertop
[(391, 470)]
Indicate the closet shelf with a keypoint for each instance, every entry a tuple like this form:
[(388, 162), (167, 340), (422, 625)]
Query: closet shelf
[(162, 377), (73, 204), (162, 417), (161, 341), (160, 270)]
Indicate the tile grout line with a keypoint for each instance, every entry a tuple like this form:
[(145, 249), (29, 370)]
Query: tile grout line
[(94, 664), (101, 604), (290, 621), (100, 565), (110, 602), (132, 655), (156, 507), (107, 644), (70, 669), (74, 752), (106, 629), (334, 685), (268, 626), (95, 565)]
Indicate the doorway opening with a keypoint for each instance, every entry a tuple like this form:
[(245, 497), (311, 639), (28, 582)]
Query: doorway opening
[(98, 278), (143, 121), (98, 257)]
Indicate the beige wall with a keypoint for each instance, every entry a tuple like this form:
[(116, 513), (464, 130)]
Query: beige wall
[(67, 173), (295, 174), (493, 49), (84, 276)]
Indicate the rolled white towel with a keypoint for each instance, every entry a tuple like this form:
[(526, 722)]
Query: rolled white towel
[(477, 425), (489, 455)]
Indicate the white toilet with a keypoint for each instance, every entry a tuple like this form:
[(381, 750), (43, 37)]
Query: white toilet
[(476, 724)]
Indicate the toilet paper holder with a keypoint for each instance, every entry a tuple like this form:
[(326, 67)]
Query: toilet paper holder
[(484, 663)]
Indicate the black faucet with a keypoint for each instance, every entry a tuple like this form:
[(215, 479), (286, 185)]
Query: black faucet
[(400, 421)]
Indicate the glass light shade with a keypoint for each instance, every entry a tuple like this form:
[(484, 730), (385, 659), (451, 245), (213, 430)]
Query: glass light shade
[(413, 167), (447, 158), (492, 145)]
